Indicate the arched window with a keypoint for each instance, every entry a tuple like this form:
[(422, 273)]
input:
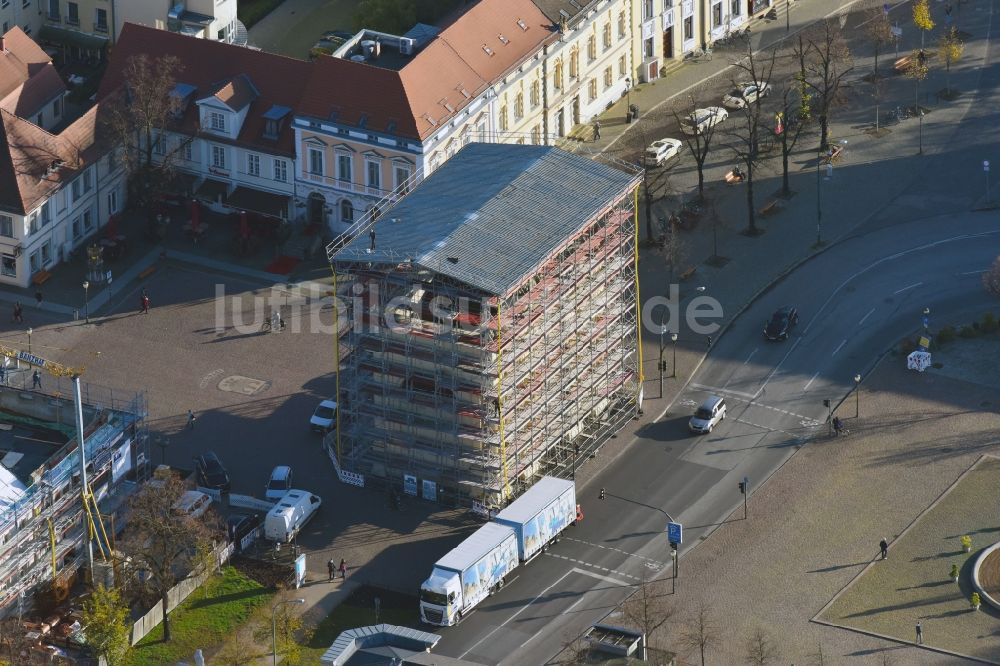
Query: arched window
[(346, 211)]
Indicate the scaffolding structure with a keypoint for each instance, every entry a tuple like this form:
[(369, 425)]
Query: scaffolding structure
[(477, 392)]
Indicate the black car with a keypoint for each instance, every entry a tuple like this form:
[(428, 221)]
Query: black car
[(238, 525), (211, 473), (781, 323)]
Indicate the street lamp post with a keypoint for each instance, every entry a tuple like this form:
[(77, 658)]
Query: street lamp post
[(788, 14), (30, 331), (663, 331), (274, 630), (86, 300), (857, 396), (926, 321), (819, 205), (673, 366)]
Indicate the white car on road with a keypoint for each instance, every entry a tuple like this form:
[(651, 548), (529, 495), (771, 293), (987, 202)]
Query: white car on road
[(745, 93), (661, 151), (324, 419), (702, 120)]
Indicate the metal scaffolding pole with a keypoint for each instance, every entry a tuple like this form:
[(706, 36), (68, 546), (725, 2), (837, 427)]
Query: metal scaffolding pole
[(84, 485)]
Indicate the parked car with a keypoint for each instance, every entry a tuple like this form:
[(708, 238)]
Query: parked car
[(288, 516), (708, 415), (238, 525), (661, 151), (192, 503), (279, 483), (325, 417), (211, 472), (781, 323), (700, 121), (746, 93)]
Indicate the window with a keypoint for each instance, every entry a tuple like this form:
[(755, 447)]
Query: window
[(648, 46), (535, 94), (503, 118), (622, 66), (40, 119), (591, 48), (717, 15), (101, 20), (519, 106), (689, 28), (77, 229), (187, 151), (8, 267), (734, 8), (34, 265), (281, 170), (592, 89), (57, 107), (217, 121), (608, 80), (647, 9), (6, 226), (316, 162), (344, 168), (46, 253), (346, 211), (557, 76), (32, 223), (113, 202), (574, 64), (536, 135), (44, 214), (606, 37), (160, 145), (374, 174), (53, 10), (253, 165), (402, 175), (621, 25), (76, 189), (73, 13), (218, 157), (88, 221)]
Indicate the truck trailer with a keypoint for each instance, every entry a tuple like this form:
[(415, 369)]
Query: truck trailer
[(477, 567)]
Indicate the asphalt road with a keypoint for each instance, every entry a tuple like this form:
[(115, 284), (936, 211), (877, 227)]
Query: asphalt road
[(775, 395)]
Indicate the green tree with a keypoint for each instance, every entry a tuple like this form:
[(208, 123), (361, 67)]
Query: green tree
[(922, 18), (991, 278), (105, 617), (287, 624), (917, 70), (951, 48), (392, 16)]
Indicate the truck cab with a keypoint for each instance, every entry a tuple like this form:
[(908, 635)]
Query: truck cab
[(441, 598)]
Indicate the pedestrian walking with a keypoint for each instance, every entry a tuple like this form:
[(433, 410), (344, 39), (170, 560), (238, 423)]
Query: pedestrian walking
[(18, 312), (38, 296), (343, 569), (884, 547), (3, 374), (920, 634), (144, 302), (36, 380), (597, 130), (331, 569), (190, 423)]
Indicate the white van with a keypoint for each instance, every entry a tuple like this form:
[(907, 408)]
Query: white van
[(289, 515), (193, 503)]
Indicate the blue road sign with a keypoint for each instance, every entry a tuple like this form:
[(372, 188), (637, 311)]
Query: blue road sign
[(926, 321), (675, 533)]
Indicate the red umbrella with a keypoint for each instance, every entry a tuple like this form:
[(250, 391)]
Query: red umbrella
[(244, 225), (195, 216), (112, 227)]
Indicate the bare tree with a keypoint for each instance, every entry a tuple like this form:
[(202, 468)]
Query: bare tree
[(699, 141), (647, 608), (991, 278), (576, 651), (165, 545), (701, 632), (15, 646), (672, 247), (655, 184), (824, 60), (140, 116), (718, 223), (761, 650), (749, 132), (795, 116), (818, 658), (878, 29)]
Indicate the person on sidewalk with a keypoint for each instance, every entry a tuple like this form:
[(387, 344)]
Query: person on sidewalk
[(3, 374), (38, 296), (36, 380), (920, 634), (18, 312), (144, 302), (343, 569), (331, 569), (190, 423), (884, 547), (597, 130)]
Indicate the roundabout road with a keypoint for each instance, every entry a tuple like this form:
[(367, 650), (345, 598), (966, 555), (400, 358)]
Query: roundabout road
[(775, 393)]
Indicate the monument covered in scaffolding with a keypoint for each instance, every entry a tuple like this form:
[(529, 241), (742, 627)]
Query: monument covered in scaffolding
[(493, 325)]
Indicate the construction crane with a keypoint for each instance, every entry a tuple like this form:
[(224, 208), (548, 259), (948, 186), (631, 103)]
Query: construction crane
[(93, 531)]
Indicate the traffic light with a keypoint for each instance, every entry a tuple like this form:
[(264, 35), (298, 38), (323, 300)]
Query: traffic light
[(743, 488), (602, 493), (826, 402), (673, 546)]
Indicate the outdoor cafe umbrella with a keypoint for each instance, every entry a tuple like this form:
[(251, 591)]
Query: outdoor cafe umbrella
[(244, 225), (195, 216)]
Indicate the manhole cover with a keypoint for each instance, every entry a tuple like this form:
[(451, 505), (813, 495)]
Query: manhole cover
[(244, 385)]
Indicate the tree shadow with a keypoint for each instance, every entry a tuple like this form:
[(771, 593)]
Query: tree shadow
[(837, 567)]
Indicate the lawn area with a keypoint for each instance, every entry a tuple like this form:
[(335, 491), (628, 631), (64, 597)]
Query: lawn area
[(359, 611), (889, 597), (251, 11), (204, 620)]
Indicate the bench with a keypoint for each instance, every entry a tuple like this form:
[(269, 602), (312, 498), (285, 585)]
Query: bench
[(687, 274), (732, 179), (771, 206), (40, 278), (146, 272), (903, 64)]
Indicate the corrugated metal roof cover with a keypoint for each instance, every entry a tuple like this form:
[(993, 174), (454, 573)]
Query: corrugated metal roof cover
[(492, 213), (472, 549), (349, 642), (536, 498)]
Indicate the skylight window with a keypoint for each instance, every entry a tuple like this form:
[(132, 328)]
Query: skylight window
[(488, 50), (522, 25)]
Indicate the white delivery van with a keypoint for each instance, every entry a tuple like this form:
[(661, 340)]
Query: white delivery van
[(288, 516)]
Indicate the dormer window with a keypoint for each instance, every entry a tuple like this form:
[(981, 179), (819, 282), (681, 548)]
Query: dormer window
[(217, 121), (503, 39), (488, 50), (522, 25)]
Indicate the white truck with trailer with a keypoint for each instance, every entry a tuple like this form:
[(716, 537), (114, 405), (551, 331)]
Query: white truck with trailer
[(477, 567)]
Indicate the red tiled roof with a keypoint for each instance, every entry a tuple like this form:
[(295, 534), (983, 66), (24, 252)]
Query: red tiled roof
[(237, 92), (27, 152), (20, 59), (208, 65), (28, 98)]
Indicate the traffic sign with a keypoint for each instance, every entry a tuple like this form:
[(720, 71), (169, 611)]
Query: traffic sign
[(986, 166), (675, 533)]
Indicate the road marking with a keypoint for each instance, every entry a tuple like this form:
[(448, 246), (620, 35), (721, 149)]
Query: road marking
[(750, 357), (565, 612), (900, 291), (866, 316), (715, 389), (594, 566), (842, 343), (800, 417), (806, 387), (617, 550), (973, 272), (783, 359)]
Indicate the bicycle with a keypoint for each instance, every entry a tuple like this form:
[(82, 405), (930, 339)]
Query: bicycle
[(698, 54)]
